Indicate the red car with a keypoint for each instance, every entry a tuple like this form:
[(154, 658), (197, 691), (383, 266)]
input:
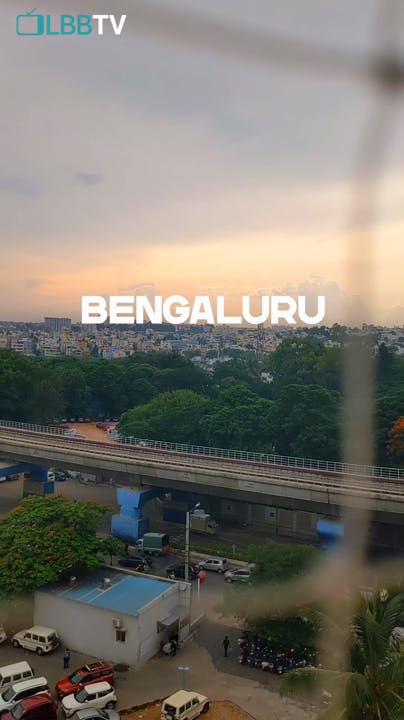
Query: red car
[(37, 707), (93, 672)]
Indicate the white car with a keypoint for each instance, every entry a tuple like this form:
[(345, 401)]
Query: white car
[(217, 564), (38, 639), (98, 695), (184, 705), (21, 690), (243, 575)]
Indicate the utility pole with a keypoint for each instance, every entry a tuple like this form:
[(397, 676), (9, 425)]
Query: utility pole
[(187, 528)]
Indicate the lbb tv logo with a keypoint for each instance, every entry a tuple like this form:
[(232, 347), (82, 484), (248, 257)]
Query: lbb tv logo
[(33, 24)]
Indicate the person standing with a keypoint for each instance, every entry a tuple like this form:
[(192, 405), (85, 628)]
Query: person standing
[(226, 643), (66, 658)]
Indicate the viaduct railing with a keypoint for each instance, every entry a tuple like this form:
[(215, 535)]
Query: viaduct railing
[(274, 460)]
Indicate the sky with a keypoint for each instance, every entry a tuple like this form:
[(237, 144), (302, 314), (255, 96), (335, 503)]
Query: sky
[(148, 160)]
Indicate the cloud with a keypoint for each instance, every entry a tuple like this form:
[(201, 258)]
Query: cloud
[(89, 179), (395, 316), (19, 186), (33, 283)]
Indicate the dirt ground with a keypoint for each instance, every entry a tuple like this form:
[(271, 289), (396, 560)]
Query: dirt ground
[(219, 710), (90, 431)]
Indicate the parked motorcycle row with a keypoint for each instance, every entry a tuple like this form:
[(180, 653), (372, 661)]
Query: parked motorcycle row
[(258, 653)]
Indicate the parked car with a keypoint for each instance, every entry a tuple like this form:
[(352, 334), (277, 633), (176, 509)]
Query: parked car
[(37, 707), (21, 690), (136, 562), (60, 475), (94, 714), (85, 675), (184, 705), (177, 572), (216, 564), (243, 575), (98, 695), (17, 672), (39, 639)]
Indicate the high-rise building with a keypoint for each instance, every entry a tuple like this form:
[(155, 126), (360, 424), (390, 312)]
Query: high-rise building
[(55, 325)]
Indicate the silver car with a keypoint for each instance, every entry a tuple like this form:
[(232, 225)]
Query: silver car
[(238, 576), (217, 564), (94, 714)]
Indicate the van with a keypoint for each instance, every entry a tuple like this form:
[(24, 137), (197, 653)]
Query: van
[(184, 705), (21, 690), (10, 674), (39, 639)]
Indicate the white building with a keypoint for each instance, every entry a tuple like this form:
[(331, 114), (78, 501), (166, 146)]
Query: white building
[(116, 615)]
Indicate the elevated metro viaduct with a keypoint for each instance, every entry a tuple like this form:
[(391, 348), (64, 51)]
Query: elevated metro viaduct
[(284, 500)]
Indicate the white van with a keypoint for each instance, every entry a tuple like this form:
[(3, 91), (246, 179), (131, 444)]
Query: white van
[(39, 639), (184, 705), (10, 674), (21, 690)]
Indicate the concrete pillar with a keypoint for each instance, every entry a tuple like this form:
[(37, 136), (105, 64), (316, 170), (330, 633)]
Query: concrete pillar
[(37, 483), (130, 524)]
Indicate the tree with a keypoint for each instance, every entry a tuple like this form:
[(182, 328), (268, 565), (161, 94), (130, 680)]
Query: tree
[(294, 362), (46, 536), (240, 419), (275, 563), (389, 407), (45, 403), (16, 382), (172, 417), (395, 440), (111, 546), (308, 422), (373, 686)]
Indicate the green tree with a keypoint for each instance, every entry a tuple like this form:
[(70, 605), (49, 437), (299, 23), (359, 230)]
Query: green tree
[(309, 422), (46, 536), (45, 402), (111, 546), (172, 417), (240, 419), (373, 686), (295, 362), (275, 563), (17, 374)]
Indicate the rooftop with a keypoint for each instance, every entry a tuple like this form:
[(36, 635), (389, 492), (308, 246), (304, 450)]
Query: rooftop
[(126, 594)]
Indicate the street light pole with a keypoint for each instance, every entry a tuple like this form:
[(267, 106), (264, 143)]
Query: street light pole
[(187, 527), (187, 523)]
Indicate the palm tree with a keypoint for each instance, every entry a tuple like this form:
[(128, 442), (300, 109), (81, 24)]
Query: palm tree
[(373, 687)]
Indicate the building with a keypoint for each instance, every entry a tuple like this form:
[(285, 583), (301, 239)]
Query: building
[(55, 324), (116, 615)]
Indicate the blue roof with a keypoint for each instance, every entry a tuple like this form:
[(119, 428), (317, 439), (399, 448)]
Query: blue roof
[(127, 593)]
